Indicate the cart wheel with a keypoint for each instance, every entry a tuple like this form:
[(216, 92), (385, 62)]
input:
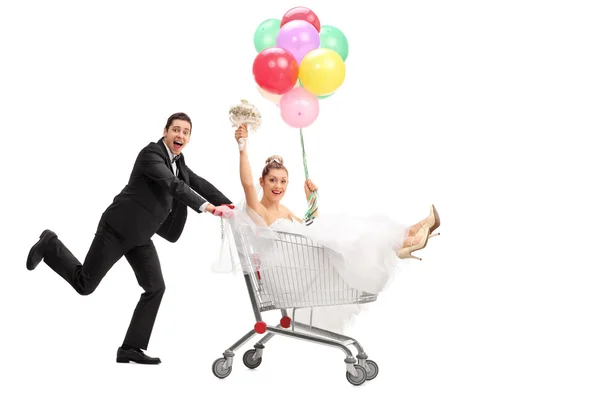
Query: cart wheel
[(360, 378), (249, 361), (219, 369), (373, 370)]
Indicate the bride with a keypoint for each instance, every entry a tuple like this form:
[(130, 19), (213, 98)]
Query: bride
[(370, 247)]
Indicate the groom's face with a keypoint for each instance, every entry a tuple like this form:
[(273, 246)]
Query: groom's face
[(177, 136)]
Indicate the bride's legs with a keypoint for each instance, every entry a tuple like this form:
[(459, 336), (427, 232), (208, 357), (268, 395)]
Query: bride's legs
[(413, 239), (413, 229), (417, 235), (432, 221)]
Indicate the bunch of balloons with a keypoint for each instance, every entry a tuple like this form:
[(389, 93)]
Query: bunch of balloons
[(299, 62)]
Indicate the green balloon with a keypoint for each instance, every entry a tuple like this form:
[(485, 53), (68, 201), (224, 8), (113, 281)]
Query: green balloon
[(318, 97), (266, 34), (334, 39)]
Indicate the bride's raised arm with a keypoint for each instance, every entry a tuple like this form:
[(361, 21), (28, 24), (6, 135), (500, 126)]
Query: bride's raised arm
[(246, 174)]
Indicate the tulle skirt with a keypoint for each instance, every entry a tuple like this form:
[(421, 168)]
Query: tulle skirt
[(366, 245), (366, 260)]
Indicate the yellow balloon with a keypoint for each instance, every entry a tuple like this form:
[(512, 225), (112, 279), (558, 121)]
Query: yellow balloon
[(322, 71)]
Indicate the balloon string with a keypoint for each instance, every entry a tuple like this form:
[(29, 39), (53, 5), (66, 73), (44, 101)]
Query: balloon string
[(303, 154), (313, 198)]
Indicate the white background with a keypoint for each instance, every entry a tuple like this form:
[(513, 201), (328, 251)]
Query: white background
[(489, 110)]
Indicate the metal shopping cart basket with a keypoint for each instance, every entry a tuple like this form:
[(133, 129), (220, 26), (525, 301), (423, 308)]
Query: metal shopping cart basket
[(289, 271)]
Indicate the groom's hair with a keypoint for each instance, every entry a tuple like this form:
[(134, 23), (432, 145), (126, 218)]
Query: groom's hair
[(179, 115), (273, 162)]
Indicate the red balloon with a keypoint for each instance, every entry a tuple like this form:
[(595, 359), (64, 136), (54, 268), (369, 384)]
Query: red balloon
[(275, 70), (301, 13)]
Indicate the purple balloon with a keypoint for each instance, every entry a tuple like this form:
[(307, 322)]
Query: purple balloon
[(298, 37)]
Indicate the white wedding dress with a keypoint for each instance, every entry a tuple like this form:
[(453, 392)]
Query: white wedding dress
[(366, 245), (360, 249)]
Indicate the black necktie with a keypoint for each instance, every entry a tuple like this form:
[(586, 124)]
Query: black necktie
[(175, 158)]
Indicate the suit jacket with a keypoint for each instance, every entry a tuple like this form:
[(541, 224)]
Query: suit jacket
[(155, 200)]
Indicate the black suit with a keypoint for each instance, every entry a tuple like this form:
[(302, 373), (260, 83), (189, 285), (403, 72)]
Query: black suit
[(153, 201)]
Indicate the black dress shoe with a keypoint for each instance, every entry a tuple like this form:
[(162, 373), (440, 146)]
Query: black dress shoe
[(136, 356), (36, 254)]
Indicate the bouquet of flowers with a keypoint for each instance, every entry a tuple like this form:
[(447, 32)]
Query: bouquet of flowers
[(245, 113)]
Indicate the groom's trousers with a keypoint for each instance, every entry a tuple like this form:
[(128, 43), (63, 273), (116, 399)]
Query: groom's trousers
[(106, 249)]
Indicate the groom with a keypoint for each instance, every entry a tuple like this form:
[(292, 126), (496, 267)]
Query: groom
[(155, 200)]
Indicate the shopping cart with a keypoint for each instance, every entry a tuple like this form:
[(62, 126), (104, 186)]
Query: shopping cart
[(289, 271)]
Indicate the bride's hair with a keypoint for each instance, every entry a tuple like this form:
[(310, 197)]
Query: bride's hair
[(273, 162)]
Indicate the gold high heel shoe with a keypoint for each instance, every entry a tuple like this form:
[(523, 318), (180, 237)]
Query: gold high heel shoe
[(406, 252), (436, 221)]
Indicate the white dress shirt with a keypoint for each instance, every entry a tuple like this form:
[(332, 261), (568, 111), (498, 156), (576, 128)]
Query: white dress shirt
[(174, 169)]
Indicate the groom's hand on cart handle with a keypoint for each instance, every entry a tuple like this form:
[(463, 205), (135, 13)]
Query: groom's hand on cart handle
[(211, 209), (225, 210), (309, 187)]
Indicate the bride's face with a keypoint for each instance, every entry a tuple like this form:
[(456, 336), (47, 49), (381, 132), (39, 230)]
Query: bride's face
[(275, 184)]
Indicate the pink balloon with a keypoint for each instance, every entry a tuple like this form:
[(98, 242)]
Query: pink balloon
[(298, 37), (299, 108)]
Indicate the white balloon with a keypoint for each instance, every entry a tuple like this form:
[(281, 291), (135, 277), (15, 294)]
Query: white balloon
[(272, 97)]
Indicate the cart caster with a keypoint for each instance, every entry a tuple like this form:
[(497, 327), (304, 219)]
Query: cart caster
[(361, 375), (249, 360), (220, 369), (373, 369)]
